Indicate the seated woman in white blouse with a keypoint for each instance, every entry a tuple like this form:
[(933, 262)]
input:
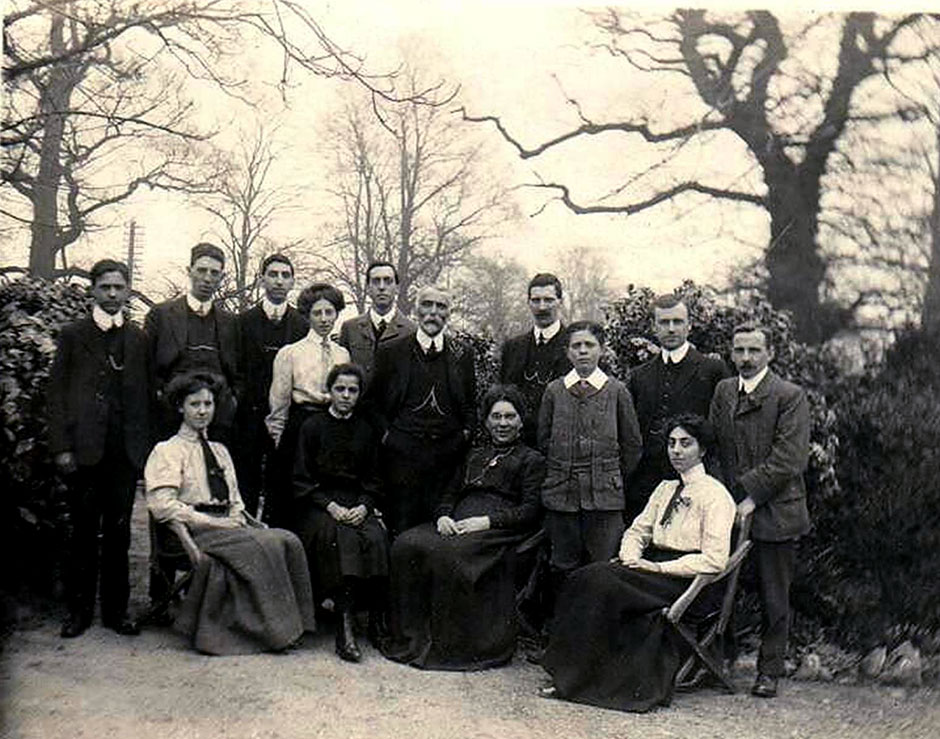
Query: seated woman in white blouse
[(298, 389), (251, 587), (609, 645)]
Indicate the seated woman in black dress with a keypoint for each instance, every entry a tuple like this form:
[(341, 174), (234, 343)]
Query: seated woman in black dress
[(452, 588), (335, 491), (251, 587), (609, 646)]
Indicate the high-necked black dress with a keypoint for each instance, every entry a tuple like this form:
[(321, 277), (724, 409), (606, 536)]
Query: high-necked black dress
[(336, 461), (453, 597)]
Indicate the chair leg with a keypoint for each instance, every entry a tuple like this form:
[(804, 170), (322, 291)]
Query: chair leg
[(163, 605), (713, 665)]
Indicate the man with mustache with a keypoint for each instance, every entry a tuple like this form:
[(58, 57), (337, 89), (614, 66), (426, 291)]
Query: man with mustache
[(263, 329), (536, 357), (762, 424), (680, 379), (423, 401), (99, 436)]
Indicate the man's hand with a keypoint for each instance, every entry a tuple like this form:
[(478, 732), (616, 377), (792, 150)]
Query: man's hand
[(339, 513), (65, 463)]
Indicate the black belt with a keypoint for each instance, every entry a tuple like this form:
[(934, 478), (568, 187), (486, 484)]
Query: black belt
[(213, 508)]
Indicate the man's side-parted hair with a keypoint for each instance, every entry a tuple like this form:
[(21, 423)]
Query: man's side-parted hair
[(750, 326), (594, 328), (319, 291), (544, 279), (103, 266), (276, 258), (380, 263), (669, 300), (205, 249)]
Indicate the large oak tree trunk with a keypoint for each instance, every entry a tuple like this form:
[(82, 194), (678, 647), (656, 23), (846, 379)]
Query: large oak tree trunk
[(930, 315)]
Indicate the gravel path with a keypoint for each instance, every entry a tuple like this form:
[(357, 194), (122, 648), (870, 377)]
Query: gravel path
[(103, 685)]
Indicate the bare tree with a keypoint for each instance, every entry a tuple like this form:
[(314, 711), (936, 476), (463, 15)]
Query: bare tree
[(244, 206), (88, 79), (753, 81), (586, 279), (489, 296), (410, 188)]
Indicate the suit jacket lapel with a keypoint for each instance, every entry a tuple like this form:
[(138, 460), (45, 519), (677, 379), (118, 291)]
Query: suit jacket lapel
[(686, 370), (755, 400)]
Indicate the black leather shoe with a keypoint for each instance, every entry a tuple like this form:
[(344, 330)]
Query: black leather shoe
[(765, 686), (123, 626), (74, 626), (346, 646)]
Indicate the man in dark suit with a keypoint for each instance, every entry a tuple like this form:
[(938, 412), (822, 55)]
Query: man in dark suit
[(381, 324), (678, 380), (99, 436), (423, 397), (762, 425), (263, 329), (191, 333), (534, 358)]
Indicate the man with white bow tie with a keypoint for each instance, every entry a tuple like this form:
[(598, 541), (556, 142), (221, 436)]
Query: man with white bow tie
[(192, 333), (99, 436)]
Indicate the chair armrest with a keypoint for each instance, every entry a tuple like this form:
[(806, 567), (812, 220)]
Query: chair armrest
[(186, 539), (681, 604)]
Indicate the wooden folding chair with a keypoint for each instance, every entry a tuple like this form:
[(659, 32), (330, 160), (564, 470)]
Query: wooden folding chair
[(172, 549), (703, 643)]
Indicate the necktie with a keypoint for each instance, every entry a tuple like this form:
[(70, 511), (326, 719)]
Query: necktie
[(380, 329), (326, 353), (218, 487), (431, 353), (672, 505), (540, 339)]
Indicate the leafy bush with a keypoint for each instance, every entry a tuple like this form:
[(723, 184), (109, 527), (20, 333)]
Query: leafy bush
[(32, 510), (880, 566)]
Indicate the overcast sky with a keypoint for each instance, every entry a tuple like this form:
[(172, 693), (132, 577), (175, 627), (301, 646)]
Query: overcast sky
[(517, 60)]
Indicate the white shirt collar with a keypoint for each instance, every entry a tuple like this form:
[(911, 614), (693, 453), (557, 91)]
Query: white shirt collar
[(341, 416), (425, 341), (315, 338), (105, 320), (596, 379), (548, 333), (274, 311), (198, 306), (749, 385), (376, 317), (675, 355), (695, 473)]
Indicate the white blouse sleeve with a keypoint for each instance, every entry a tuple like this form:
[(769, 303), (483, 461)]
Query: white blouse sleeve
[(717, 520), (163, 477), (638, 536), (279, 397)]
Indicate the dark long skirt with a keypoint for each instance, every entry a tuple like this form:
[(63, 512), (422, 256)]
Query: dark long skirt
[(250, 593), (610, 645), (336, 550), (453, 599), (279, 495)]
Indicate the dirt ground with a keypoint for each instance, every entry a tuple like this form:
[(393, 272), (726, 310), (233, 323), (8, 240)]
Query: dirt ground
[(104, 685)]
